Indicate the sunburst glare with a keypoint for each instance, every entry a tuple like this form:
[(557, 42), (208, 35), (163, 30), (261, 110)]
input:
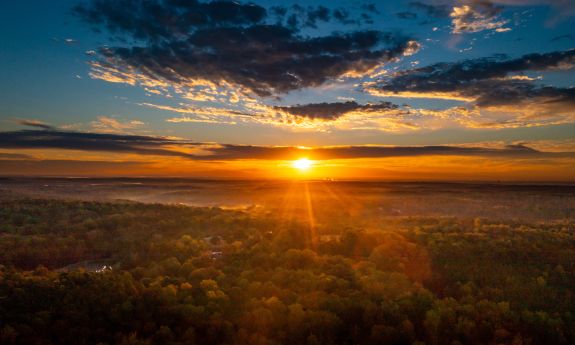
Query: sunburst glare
[(302, 164)]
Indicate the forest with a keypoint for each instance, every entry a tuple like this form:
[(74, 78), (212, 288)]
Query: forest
[(125, 272)]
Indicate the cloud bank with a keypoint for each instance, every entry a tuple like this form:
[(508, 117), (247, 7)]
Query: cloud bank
[(225, 42), (158, 146), (496, 84)]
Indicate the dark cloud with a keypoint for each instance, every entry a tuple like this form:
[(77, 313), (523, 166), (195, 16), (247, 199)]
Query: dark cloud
[(266, 59), (487, 80), (500, 93), (297, 16), (367, 18), (229, 42), (343, 16), (157, 146), (562, 37), (34, 123), (166, 19), (4, 155), (486, 7), (370, 7), (279, 11), (332, 111), (231, 152), (432, 10), (36, 139), (50, 167), (319, 13), (410, 151), (406, 15)]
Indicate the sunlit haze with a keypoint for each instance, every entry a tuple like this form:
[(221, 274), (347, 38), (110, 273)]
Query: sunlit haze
[(302, 164)]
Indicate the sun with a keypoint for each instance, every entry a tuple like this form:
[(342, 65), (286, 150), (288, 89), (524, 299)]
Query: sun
[(302, 164)]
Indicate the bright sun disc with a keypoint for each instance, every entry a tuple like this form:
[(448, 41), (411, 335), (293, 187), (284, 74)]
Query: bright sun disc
[(302, 164)]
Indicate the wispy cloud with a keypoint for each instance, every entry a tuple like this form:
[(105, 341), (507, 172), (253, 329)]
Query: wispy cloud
[(35, 123), (476, 16), (108, 124), (323, 117)]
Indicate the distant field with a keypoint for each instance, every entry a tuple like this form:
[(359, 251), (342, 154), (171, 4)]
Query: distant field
[(545, 202)]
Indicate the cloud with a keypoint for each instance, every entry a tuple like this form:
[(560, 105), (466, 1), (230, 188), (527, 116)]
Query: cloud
[(188, 119), (107, 124), (494, 117), (156, 20), (226, 152), (319, 117), (34, 123), (479, 15), (562, 37), (60, 167), (159, 146), (561, 9), (476, 16), (313, 15), (432, 10), (212, 115), (370, 7), (5, 155), (332, 111), (406, 15), (142, 145), (494, 86), (486, 81), (225, 42)]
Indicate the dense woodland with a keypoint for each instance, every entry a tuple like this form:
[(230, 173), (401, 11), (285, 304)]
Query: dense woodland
[(185, 275)]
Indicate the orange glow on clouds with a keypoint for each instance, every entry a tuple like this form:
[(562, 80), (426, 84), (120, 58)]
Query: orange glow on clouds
[(44, 162)]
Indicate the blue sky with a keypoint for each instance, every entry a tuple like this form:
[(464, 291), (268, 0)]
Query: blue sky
[(47, 79)]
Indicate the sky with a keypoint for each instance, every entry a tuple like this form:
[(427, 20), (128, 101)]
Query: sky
[(398, 90)]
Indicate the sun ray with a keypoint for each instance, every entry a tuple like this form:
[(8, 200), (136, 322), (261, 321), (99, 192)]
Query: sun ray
[(310, 216)]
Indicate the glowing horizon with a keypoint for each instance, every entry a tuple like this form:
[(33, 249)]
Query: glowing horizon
[(303, 164)]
